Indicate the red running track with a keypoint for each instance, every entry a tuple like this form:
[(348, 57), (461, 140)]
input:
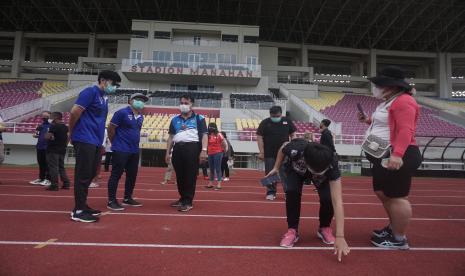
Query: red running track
[(229, 232)]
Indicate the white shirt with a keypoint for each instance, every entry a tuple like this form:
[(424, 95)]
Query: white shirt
[(380, 122)]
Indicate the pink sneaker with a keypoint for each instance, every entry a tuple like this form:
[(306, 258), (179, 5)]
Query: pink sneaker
[(290, 238), (326, 235)]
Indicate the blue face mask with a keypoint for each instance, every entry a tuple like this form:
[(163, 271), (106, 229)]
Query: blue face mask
[(110, 89), (276, 119), (138, 104)]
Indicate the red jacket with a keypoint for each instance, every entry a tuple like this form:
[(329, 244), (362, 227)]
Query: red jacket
[(403, 117)]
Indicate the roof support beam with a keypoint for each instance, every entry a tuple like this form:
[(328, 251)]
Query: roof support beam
[(457, 16), (139, 13), (277, 20), (405, 6), (42, 13), (104, 18), (297, 17), (431, 21), (353, 21), (64, 15), (259, 9), (81, 13), (157, 9), (120, 12), (372, 22), (412, 19), (310, 28), (330, 29)]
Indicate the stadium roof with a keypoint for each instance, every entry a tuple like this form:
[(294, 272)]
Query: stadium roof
[(416, 25)]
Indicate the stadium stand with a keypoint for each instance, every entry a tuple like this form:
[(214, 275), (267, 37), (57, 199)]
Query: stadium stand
[(251, 101)]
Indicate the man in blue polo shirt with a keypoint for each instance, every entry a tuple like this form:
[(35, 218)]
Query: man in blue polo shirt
[(41, 150), (124, 134), (86, 129), (188, 133)]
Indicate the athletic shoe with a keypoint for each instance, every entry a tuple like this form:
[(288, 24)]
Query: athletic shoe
[(290, 238), (65, 187), (270, 197), (226, 179), (93, 185), (131, 202), (115, 206), (164, 182), (185, 208), (326, 235), (176, 203), (93, 212), (36, 182), (390, 242), (83, 216), (383, 232), (52, 188), (46, 182)]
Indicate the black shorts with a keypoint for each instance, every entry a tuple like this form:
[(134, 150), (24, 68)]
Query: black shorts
[(395, 184)]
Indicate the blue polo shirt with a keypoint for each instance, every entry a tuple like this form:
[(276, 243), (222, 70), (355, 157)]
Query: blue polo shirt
[(90, 128), (188, 130), (127, 135), (42, 129)]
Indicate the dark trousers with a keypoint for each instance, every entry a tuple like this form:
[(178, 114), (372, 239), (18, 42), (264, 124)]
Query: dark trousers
[(204, 167), (42, 161), (225, 167), (56, 168), (123, 162), (87, 156), (108, 156), (186, 165), (294, 184)]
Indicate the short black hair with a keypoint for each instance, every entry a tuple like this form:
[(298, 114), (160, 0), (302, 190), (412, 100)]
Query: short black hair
[(188, 97), (276, 109), (326, 122), (109, 75), (224, 134), (57, 115), (318, 156)]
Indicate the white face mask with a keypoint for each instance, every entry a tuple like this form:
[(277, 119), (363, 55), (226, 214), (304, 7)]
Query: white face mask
[(378, 93), (184, 108)]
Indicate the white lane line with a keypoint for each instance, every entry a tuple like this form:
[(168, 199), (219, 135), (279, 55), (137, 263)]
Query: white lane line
[(217, 216), (237, 201), (249, 193), (235, 247)]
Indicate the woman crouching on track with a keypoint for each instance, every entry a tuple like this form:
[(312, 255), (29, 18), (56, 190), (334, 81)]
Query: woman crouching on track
[(390, 145), (306, 161)]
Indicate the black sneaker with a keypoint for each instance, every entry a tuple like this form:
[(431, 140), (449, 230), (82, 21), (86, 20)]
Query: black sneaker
[(65, 187), (131, 202), (115, 206), (390, 242), (176, 204), (185, 207), (383, 232), (83, 216), (93, 212), (52, 188)]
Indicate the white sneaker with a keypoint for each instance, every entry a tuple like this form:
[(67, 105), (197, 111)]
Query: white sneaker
[(93, 185), (226, 179), (46, 182), (36, 182), (270, 197)]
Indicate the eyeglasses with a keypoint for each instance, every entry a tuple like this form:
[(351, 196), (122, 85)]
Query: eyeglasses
[(318, 173)]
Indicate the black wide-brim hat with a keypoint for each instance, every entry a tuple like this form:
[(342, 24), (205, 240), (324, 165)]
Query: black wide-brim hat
[(391, 76)]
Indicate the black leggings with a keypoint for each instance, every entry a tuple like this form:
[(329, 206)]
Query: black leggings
[(225, 167), (294, 183)]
